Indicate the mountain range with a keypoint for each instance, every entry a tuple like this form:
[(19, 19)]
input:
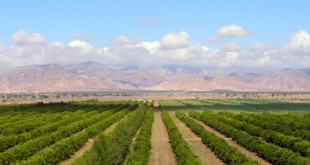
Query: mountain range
[(93, 76)]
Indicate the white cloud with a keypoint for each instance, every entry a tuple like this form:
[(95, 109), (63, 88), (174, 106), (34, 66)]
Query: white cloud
[(260, 47), (152, 47), (174, 40), (176, 54), (232, 56), (173, 48), (21, 37), (177, 47), (299, 42), (230, 59), (232, 31), (263, 60), (85, 47), (228, 31), (123, 40), (102, 50), (231, 46)]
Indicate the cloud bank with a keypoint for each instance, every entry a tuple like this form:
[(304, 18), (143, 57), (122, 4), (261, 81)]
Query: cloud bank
[(172, 48)]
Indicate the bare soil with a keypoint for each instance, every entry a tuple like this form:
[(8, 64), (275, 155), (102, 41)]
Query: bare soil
[(204, 154), (233, 143), (292, 97), (161, 153)]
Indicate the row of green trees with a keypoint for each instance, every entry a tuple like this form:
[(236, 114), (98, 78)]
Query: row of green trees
[(294, 121), (15, 122), (294, 143), (24, 150), (142, 147), (29, 124), (219, 146), (277, 123), (113, 147), (180, 148), (65, 148), (268, 151), (11, 140), (11, 118)]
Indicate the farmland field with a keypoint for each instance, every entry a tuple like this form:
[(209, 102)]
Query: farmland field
[(177, 132)]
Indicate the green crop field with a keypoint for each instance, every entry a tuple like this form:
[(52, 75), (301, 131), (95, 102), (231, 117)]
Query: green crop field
[(130, 132), (257, 106)]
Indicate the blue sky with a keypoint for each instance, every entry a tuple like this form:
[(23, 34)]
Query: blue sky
[(102, 22), (268, 21)]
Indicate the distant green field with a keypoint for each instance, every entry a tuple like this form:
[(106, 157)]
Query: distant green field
[(240, 105)]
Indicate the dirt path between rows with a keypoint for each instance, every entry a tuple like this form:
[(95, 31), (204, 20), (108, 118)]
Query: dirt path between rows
[(87, 146), (161, 153), (231, 142), (205, 154)]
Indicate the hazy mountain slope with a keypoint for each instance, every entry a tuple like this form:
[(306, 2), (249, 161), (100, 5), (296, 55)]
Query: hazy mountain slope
[(91, 69), (245, 77), (205, 83), (48, 78), (143, 77), (284, 80), (92, 76)]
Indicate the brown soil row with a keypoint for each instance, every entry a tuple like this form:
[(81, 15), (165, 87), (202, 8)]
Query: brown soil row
[(161, 153), (233, 143), (204, 154)]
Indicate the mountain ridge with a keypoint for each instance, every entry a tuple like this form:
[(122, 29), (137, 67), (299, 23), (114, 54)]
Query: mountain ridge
[(94, 76)]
